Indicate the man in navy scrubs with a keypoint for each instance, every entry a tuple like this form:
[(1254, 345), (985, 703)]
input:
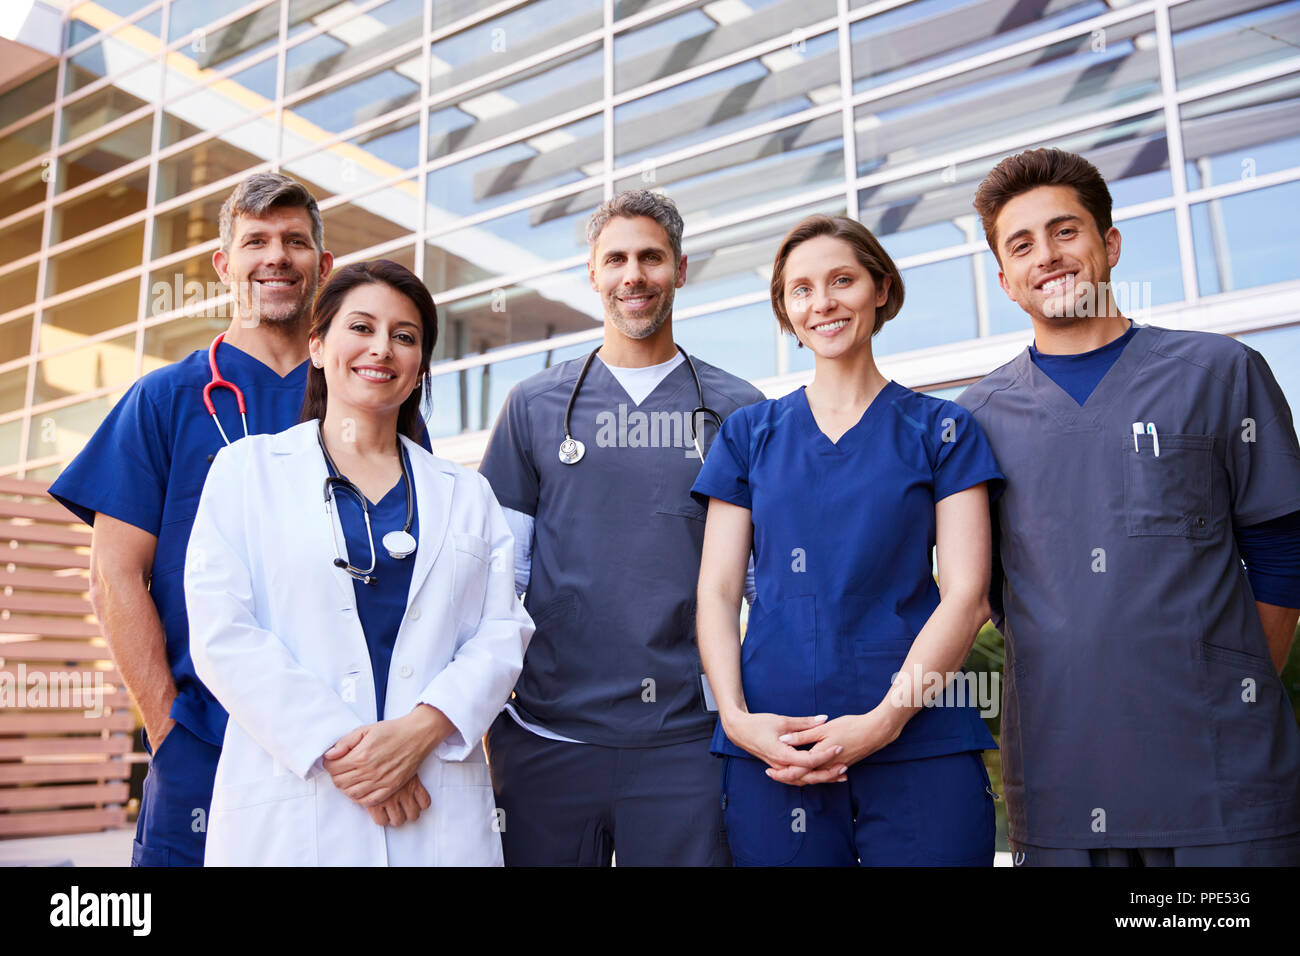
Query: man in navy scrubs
[(1144, 720), (605, 746), (138, 481)]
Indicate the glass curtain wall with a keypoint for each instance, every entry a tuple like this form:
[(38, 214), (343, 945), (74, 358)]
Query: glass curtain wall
[(471, 140)]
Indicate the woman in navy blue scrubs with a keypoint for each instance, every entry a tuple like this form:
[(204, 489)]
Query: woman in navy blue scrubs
[(838, 752)]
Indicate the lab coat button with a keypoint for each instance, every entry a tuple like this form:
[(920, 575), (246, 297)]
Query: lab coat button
[(405, 670), (415, 614)]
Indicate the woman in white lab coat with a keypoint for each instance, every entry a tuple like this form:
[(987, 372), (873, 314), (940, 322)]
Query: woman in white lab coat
[(359, 686)]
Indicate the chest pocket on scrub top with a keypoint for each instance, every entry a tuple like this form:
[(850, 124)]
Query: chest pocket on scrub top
[(1169, 494), (469, 576)]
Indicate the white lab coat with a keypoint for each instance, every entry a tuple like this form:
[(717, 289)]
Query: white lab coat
[(274, 633)]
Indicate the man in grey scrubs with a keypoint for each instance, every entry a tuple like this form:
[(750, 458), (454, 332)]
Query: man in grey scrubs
[(1144, 720), (605, 745)]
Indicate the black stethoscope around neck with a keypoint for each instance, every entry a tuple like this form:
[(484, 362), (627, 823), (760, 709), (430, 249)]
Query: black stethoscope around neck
[(398, 544), (572, 450)]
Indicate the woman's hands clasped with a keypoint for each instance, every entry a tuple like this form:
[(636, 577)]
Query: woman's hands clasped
[(837, 744), (376, 765)]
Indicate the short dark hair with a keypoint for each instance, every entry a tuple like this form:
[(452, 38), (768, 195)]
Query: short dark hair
[(1041, 167), (264, 191), (871, 255), (410, 417)]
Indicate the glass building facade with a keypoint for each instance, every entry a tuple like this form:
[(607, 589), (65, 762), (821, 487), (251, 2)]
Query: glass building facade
[(470, 140)]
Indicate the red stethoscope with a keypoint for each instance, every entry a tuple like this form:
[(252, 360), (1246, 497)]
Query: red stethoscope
[(219, 382)]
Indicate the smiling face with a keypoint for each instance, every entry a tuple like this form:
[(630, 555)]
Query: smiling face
[(830, 297), (632, 268), (370, 353), (272, 266), (1055, 263)]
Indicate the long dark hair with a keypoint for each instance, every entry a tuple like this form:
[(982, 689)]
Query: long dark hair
[(410, 417)]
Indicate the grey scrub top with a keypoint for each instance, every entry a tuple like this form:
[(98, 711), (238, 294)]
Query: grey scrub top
[(1141, 706), (616, 550)]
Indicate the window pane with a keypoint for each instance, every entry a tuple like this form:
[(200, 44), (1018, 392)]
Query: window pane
[(741, 341), (738, 260), (517, 35), (1067, 81), (1004, 315), (376, 217), (65, 431), (1211, 42), (1242, 242), (26, 98), (188, 16), (100, 207), (120, 50), (922, 36), (83, 370), (103, 156), (22, 239), (351, 39), (1149, 254), (531, 238), (27, 143), (224, 48), (100, 108), (17, 289), (233, 152), (189, 225), (551, 159), (13, 389), (1242, 134), (65, 325), (15, 339), (776, 84), (938, 308), (172, 341), (788, 162), (699, 35), (362, 161), (10, 434), (185, 284), (217, 104), (932, 210), (95, 260), (532, 310), (380, 90)]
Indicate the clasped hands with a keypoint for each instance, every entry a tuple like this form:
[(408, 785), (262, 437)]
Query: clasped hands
[(375, 765), (836, 744)]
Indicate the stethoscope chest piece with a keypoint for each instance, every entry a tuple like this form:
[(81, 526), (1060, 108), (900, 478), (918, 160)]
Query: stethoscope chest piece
[(399, 544), (571, 451)]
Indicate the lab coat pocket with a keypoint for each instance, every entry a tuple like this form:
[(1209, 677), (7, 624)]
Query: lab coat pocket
[(268, 822), (1254, 728), (469, 827), (1169, 493), (470, 576)]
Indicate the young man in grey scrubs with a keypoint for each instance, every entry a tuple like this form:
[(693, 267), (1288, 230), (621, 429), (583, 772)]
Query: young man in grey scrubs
[(1144, 721), (605, 745)]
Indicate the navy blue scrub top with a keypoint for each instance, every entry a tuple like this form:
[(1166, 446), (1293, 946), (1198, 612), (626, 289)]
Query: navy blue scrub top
[(146, 464), (382, 605), (843, 533)]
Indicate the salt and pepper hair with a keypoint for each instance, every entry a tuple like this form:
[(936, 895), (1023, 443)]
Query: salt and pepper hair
[(639, 202), (261, 192)]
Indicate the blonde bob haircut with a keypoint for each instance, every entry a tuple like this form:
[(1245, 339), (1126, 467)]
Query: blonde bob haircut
[(871, 255)]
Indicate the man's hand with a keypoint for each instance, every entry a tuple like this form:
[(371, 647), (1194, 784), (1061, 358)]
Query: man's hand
[(404, 806)]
